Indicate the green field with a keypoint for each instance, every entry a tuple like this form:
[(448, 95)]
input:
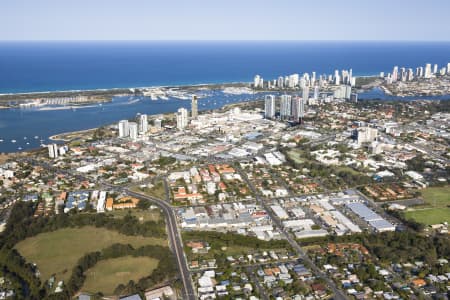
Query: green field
[(295, 155), (436, 209), (437, 196), (429, 216), (57, 252), (106, 275)]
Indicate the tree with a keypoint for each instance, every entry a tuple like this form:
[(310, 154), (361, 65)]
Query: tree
[(143, 204)]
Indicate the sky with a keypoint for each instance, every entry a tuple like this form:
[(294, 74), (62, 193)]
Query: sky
[(411, 20)]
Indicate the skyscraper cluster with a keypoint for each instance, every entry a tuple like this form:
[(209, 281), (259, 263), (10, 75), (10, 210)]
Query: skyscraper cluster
[(291, 108), (404, 74), (133, 129), (294, 81)]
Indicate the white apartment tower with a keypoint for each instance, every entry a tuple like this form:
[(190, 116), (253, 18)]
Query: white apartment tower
[(52, 150), (269, 106), (143, 124), (285, 106), (124, 130), (427, 71), (182, 118), (305, 93), (133, 127)]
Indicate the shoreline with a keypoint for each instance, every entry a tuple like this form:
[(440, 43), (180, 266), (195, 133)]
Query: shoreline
[(119, 89)]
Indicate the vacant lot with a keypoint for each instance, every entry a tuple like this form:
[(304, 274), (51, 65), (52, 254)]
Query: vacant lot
[(144, 216), (436, 209), (106, 275), (57, 252)]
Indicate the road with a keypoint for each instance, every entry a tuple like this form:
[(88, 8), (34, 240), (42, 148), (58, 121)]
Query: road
[(175, 243)]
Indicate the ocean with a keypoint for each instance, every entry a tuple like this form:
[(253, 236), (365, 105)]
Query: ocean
[(51, 66), (54, 66)]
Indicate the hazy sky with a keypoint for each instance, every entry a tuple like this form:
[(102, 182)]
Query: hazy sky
[(224, 20)]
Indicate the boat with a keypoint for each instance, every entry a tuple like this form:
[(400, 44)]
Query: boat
[(24, 137), (36, 137), (20, 148), (28, 143), (13, 141)]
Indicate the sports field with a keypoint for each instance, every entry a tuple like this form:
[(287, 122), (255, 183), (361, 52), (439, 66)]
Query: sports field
[(436, 209), (57, 252), (106, 275)]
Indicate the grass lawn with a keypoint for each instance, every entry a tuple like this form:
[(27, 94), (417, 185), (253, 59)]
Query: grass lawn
[(296, 156), (57, 252), (148, 215), (435, 210), (437, 196), (106, 275), (429, 216)]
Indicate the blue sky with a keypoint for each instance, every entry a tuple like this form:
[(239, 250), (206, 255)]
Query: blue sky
[(224, 20)]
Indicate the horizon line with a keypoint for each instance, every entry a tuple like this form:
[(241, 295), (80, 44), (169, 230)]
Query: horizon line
[(221, 40)]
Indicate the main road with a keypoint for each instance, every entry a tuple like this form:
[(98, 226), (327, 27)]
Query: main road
[(175, 242)]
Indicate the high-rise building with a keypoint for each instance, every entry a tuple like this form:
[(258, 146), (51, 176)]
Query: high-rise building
[(52, 150), (295, 107), (124, 130), (448, 68), (269, 106), (420, 72), (427, 71), (435, 68), (280, 82), (158, 124), (366, 134), (305, 93), (285, 106), (182, 118), (394, 75), (143, 123), (316, 92), (194, 107), (256, 81), (133, 127), (337, 78)]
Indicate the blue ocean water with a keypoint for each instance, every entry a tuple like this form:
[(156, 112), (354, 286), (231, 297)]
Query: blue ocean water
[(51, 66)]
